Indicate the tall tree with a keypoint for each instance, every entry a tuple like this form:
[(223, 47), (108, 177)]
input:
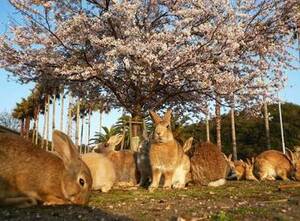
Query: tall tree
[(62, 99), (267, 127), (233, 134), (153, 54), (9, 120), (218, 122)]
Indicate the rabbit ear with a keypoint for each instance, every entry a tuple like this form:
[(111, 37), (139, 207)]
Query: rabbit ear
[(188, 144), (167, 117), (290, 155), (248, 162), (114, 140), (156, 119), (64, 146)]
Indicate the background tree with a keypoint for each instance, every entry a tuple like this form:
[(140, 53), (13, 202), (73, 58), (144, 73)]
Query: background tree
[(120, 49), (7, 120)]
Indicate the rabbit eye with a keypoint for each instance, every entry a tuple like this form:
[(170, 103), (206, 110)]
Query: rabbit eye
[(81, 181)]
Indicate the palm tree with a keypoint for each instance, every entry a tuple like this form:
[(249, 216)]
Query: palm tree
[(25, 112), (19, 114), (103, 137)]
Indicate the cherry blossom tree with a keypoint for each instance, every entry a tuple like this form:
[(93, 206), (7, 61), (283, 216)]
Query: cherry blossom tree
[(144, 54)]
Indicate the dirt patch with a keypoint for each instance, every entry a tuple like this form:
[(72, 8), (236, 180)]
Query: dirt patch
[(237, 200)]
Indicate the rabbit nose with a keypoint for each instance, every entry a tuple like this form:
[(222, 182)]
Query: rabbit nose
[(158, 133)]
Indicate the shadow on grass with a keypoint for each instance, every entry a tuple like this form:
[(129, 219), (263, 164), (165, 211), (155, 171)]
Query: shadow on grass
[(57, 213)]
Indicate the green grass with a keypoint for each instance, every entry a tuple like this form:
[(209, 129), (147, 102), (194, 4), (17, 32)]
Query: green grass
[(237, 200)]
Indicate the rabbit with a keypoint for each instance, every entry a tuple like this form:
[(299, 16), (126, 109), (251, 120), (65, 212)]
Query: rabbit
[(180, 179), (208, 165), (272, 164), (249, 166), (143, 163), (29, 175), (102, 170), (241, 170), (124, 161), (166, 155)]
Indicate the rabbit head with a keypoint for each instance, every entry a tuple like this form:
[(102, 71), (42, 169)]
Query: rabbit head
[(249, 165), (162, 132), (231, 171), (76, 178), (294, 157), (109, 145)]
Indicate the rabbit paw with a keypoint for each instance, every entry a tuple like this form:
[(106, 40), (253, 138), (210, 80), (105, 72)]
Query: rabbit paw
[(152, 189), (168, 187), (105, 189), (178, 185)]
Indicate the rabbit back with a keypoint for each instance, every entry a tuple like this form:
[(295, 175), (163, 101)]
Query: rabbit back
[(102, 170), (208, 164), (271, 164)]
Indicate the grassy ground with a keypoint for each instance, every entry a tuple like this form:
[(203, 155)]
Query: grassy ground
[(237, 200)]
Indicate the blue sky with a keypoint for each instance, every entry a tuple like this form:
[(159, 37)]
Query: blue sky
[(12, 92)]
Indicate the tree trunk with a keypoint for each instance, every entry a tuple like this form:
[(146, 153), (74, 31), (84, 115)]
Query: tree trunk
[(47, 121), (62, 99), (22, 127), (136, 131), (81, 131), (233, 134), (267, 127), (89, 126), (77, 123), (100, 121), (34, 129), (207, 128), (37, 126), (27, 126), (53, 117), (69, 116), (218, 122)]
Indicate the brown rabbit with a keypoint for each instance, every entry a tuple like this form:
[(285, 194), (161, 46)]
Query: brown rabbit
[(208, 165), (29, 174), (166, 155), (241, 170), (271, 164), (102, 170), (124, 161), (143, 163)]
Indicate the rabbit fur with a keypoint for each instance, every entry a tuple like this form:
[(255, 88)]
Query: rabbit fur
[(102, 170), (272, 164), (124, 161), (29, 175), (241, 170), (166, 155), (208, 165)]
